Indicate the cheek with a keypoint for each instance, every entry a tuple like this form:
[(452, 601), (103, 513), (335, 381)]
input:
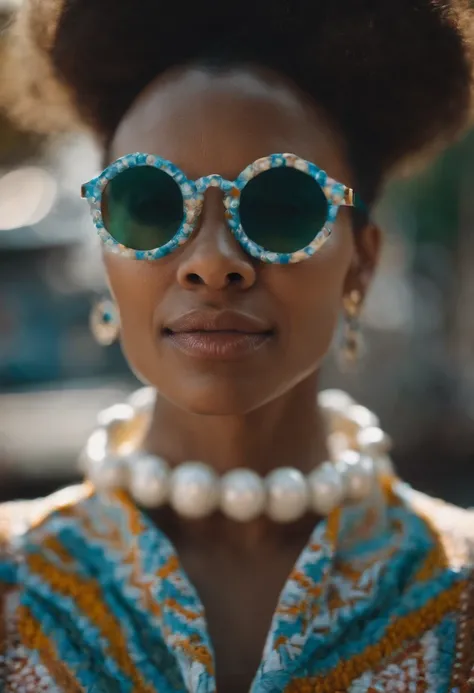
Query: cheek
[(133, 286), (136, 287), (312, 292)]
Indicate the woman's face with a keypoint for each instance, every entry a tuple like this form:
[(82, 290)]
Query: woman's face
[(274, 323)]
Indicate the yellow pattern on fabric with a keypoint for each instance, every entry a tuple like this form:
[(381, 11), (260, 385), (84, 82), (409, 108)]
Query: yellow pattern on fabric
[(197, 653), (33, 637), (335, 575), (402, 630), (435, 560), (87, 594)]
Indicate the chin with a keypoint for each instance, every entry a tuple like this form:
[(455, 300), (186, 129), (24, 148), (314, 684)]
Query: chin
[(216, 397)]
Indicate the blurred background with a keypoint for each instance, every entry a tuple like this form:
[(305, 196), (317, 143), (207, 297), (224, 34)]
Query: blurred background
[(418, 372)]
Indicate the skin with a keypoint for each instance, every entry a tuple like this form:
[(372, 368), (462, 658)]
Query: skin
[(259, 411)]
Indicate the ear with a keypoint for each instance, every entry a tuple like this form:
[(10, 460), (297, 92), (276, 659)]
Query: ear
[(367, 247)]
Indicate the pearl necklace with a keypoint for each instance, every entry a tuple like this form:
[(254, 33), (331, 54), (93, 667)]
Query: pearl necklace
[(359, 457)]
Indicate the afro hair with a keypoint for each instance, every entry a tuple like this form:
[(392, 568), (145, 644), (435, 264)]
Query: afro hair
[(394, 76)]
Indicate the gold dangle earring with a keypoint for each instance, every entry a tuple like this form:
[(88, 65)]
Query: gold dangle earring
[(104, 322), (350, 349)]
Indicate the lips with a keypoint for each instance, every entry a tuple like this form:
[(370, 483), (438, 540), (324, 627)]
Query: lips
[(222, 321), (223, 335)]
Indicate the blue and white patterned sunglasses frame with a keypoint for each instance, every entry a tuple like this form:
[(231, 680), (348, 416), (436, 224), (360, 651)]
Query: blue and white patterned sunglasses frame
[(337, 195)]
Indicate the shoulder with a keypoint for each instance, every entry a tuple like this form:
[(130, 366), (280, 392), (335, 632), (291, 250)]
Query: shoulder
[(15, 519), (452, 525), (18, 518)]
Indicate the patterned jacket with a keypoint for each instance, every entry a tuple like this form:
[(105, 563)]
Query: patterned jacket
[(93, 599)]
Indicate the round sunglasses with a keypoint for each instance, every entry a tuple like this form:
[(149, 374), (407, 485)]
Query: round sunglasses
[(281, 209)]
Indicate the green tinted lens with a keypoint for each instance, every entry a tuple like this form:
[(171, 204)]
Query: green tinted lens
[(283, 209), (142, 208)]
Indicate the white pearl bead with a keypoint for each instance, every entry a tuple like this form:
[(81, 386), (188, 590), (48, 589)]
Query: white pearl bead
[(362, 417), (335, 405), (108, 473), (143, 399), (336, 401), (95, 450), (194, 490), (337, 443), (287, 495), (358, 475), (116, 414), (326, 488), (149, 479), (373, 441), (242, 495)]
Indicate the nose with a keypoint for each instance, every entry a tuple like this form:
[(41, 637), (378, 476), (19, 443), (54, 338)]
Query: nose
[(213, 258)]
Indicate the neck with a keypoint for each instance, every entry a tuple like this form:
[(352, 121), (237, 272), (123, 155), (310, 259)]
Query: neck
[(289, 431)]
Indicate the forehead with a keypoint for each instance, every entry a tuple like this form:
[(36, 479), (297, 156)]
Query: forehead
[(219, 123)]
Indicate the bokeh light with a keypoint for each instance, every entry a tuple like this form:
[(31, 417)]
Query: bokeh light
[(27, 196)]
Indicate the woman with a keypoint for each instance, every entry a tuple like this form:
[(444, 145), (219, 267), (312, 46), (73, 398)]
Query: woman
[(230, 263)]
